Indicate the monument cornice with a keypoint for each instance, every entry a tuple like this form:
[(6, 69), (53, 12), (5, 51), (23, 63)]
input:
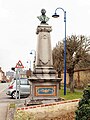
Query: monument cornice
[(43, 28)]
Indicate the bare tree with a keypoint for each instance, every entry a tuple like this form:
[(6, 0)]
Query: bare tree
[(58, 58), (77, 51)]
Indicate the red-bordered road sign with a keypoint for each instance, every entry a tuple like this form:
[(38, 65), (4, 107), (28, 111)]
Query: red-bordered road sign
[(19, 64)]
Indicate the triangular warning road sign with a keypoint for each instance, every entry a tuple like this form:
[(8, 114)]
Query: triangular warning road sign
[(19, 65)]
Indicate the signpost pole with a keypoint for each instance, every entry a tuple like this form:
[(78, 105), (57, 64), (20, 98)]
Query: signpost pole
[(16, 89), (19, 84), (16, 82), (19, 66)]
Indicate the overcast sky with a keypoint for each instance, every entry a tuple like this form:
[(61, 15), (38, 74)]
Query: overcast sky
[(18, 23)]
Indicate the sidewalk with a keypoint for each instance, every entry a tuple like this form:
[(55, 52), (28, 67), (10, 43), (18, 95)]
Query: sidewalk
[(3, 105), (3, 111), (11, 111)]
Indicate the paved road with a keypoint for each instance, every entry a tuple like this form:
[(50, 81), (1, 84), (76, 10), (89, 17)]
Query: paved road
[(3, 111), (5, 100), (3, 97), (3, 105)]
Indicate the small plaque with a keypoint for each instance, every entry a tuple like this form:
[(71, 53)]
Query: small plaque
[(46, 90)]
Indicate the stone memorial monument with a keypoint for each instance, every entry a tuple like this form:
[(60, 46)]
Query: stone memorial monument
[(44, 81)]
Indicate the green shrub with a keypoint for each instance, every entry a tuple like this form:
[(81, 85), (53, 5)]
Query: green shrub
[(83, 111)]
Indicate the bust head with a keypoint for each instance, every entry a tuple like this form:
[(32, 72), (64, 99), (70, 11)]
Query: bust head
[(43, 11)]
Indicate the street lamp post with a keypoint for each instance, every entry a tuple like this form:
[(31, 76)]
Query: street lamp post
[(56, 16), (30, 64), (34, 57)]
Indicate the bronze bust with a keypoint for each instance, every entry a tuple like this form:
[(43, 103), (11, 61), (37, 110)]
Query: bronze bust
[(43, 18)]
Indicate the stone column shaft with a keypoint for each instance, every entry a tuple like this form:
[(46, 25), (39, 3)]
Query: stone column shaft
[(44, 51)]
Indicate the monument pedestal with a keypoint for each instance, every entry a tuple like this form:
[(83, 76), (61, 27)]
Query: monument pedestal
[(44, 82)]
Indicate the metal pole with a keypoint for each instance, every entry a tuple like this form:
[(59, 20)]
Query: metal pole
[(16, 82), (65, 55), (19, 85), (34, 57), (30, 64)]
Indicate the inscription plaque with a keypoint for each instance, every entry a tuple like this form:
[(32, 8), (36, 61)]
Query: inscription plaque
[(45, 90)]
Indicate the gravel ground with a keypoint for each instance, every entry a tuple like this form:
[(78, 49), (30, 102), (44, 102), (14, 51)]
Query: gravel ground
[(64, 111), (22, 115)]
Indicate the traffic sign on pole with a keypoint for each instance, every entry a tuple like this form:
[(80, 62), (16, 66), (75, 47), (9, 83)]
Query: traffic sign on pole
[(19, 64)]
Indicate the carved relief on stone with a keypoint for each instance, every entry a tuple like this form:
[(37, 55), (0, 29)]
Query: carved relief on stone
[(43, 63), (43, 36)]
